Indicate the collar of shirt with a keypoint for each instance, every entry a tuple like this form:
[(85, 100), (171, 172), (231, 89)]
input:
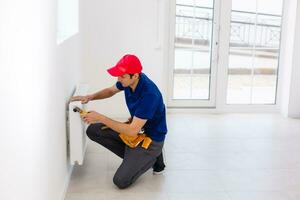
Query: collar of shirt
[(139, 86)]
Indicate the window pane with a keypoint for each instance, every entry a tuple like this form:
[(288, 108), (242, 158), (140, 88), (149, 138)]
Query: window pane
[(193, 49), (264, 89), (182, 86), (273, 7), (265, 77), (254, 51), (202, 3), (192, 86), (239, 76), (191, 74), (244, 5)]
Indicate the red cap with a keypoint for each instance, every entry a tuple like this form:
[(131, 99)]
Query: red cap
[(129, 64)]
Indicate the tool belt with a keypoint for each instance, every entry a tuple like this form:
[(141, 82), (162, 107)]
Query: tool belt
[(134, 141), (131, 141)]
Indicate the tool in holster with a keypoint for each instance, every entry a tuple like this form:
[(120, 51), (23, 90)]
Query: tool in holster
[(131, 141)]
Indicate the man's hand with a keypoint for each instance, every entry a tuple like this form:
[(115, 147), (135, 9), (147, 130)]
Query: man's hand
[(129, 120), (83, 99), (92, 117)]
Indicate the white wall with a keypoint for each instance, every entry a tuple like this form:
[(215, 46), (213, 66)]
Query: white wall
[(290, 60), (113, 28), (285, 62), (294, 108), (37, 78)]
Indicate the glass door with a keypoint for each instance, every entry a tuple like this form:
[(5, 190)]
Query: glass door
[(254, 52), (193, 54), (249, 53)]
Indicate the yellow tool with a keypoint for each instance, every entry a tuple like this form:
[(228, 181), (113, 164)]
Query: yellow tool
[(131, 141), (81, 111)]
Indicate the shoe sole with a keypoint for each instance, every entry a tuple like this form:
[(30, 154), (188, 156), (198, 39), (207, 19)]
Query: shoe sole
[(158, 173)]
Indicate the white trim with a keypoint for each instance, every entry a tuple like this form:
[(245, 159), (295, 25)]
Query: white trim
[(215, 51), (228, 109), (224, 38), (66, 183), (222, 81), (170, 54), (214, 60), (218, 105), (281, 68)]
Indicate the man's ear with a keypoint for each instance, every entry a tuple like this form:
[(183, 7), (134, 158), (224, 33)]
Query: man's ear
[(136, 75)]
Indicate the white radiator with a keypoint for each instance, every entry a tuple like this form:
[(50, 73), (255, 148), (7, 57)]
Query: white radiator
[(77, 128)]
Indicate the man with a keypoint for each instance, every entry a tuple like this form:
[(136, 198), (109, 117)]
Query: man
[(148, 113)]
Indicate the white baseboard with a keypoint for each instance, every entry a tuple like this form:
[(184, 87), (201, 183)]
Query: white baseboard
[(66, 183)]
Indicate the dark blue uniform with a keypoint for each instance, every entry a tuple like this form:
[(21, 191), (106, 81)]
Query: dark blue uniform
[(146, 102)]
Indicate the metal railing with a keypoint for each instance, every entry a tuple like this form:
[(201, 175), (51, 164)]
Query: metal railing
[(194, 26)]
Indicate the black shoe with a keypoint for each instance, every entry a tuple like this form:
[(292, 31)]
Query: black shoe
[(158, 170), (159, 165)]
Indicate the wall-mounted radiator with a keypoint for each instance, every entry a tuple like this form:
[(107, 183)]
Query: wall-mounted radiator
[(77, 128)]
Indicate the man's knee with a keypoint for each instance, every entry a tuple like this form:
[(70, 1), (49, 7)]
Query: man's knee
[(93, 131), (121, 182)]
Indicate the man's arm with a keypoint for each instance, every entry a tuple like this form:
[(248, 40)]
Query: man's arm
[(102, 94), (105, 93), (131, 129)]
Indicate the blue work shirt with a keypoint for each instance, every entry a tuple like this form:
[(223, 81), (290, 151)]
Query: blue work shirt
[(146, 102)]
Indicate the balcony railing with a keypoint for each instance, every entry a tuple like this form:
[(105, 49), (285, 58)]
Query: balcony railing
[(248, 29)]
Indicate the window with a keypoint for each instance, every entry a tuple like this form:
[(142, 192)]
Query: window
[(247, 70), (193, 52), (254, 51)]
